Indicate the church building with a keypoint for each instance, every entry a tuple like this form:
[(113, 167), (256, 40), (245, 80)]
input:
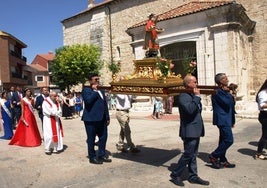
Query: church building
[(220, 35)]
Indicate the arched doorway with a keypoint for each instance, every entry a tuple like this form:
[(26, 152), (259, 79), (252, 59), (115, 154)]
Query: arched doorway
[(181, 54)]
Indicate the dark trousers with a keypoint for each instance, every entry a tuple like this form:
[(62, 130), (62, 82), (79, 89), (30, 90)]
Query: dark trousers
[(92, 129), (189, 158), (263, 121), (226, 139), (13, 118), (17, 113)]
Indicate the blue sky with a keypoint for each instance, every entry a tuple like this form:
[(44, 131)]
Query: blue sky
[(37, 23)]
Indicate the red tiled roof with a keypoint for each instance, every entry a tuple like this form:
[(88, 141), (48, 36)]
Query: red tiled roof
[(38, 67), (188, 8), (48, 57)]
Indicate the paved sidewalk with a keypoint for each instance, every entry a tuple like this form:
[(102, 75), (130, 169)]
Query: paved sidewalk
[(160, 146)]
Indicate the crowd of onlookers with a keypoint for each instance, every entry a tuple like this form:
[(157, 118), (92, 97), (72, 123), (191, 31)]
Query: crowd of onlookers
[(18, 109), (71, 103)]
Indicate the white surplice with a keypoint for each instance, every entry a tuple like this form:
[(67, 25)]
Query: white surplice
[(51, 110)]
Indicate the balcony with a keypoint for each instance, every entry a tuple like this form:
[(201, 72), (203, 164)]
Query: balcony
[(17, 75), (13, 53)]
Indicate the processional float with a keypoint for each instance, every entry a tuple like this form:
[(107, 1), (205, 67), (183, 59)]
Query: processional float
[(152, 77)]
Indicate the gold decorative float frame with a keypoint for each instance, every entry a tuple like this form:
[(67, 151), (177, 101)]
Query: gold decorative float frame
[(151, 79)]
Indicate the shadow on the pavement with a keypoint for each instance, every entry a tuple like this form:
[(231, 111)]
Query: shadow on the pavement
[(148, 155), (203, 156), (253, 143), (65, 147), (247, 151)]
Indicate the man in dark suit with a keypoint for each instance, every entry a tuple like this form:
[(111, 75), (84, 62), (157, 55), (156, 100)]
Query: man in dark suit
[(224, 117), (96, 119), (39, 101), (10, 93), (191, 129), (16, 99), (9, 97)]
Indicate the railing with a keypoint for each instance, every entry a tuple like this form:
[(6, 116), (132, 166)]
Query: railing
[(13, 53), (17, 75)]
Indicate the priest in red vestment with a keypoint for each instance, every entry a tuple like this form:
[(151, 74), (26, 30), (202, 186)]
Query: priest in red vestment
[(52, 126)]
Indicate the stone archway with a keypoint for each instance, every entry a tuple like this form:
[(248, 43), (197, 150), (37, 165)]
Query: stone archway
[(179, 53)]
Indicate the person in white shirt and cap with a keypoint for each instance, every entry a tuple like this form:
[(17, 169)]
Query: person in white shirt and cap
[(123, 105)]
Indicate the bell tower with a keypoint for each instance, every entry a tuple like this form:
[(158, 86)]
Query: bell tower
[(91, 3)]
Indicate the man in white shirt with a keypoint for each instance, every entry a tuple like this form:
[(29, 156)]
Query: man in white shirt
[(123, 105)]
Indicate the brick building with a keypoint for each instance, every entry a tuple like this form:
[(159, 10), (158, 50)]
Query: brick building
[(42, 65), (225, 36), (13, 69)]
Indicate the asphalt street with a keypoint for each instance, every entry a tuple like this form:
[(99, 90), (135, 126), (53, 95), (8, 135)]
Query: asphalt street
[(22, 167)]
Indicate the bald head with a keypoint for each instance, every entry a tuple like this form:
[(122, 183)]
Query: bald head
[(190, 81), (53, 96)]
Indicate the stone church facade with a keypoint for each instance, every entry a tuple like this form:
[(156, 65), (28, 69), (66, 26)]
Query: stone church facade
[(224, 36)]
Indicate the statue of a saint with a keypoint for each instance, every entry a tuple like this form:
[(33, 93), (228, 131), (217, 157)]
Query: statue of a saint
[(151, 37)]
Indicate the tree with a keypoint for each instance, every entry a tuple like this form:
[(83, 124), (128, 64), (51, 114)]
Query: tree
[(72, 64)]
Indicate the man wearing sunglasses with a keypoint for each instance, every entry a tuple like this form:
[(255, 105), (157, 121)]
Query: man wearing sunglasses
[(96, 119)]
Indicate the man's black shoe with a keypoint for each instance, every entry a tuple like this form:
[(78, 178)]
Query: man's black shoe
[(48, 152), (228, 165), (95, 161), (214, 162), (104, 159), (176, 180), (199, 181)]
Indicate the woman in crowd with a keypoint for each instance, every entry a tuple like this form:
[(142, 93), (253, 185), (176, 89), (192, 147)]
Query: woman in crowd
[(5, 116), (78, 104), (261, 99), (72, 105), (27, 133), (66, 112)]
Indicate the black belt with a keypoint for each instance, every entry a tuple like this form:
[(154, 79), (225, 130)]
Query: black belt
[(122, 110)]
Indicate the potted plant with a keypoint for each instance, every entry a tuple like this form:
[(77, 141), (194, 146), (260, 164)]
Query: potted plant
[(114, 68)]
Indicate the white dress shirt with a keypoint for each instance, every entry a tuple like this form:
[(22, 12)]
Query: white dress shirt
[(262, 99), (123, 102)]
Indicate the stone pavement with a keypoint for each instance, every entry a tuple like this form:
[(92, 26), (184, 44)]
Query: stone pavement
[(160, 146)]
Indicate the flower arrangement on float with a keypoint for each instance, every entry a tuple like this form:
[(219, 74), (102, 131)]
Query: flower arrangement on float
[(164, 66)]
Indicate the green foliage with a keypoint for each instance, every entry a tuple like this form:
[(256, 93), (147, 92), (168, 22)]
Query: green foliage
[(73, 63), (114, 67), (188, 68), (164, 66)]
